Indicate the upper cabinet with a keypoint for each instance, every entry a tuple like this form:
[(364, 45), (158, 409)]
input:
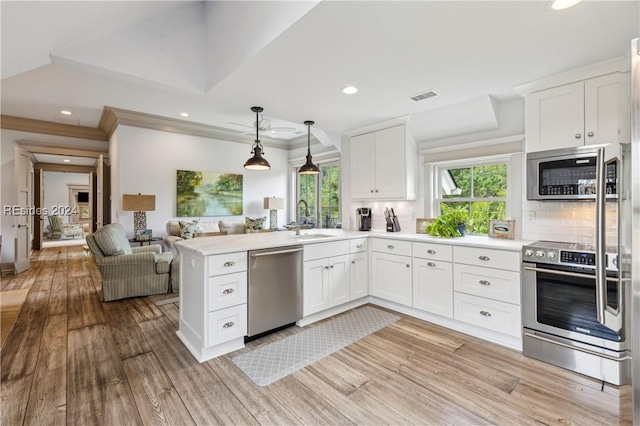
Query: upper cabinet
[(384, 165), (587, 112)]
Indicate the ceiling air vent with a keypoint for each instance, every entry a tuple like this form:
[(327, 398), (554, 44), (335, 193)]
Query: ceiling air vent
[(424, 95)]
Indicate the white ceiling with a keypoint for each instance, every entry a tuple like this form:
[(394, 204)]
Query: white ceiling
[(215, 59)]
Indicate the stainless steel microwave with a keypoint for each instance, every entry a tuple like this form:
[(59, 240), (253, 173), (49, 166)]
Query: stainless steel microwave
[(571, 174)]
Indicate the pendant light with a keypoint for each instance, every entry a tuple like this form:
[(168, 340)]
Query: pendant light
[(257, 162), (309, 168)]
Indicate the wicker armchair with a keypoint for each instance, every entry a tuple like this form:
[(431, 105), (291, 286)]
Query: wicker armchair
[(128, 271)]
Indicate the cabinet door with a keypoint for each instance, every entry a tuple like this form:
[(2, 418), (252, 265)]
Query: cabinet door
[(433, 286), (391, 278), (358, 275), (315, 289), (338, 280), (362, 152), (555, 118), (390, 163), (602, 109)]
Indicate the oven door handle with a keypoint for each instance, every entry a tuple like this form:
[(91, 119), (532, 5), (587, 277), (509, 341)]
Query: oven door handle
[(566, 273)]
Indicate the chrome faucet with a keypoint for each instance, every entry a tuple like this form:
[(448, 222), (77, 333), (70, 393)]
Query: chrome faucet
[(306, 213)]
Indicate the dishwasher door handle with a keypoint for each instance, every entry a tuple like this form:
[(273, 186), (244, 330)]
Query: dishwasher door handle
[(271, 253)]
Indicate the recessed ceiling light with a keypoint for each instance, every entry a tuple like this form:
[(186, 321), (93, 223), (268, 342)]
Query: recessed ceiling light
[(65, 112), (184, 114), (563, 4), (66, 160), (350, 90)]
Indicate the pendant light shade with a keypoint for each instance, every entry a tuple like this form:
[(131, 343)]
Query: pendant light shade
[(257, 162), (309, 168)]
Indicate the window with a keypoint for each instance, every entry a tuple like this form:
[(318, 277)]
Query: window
[(480, 188), (321, 190)]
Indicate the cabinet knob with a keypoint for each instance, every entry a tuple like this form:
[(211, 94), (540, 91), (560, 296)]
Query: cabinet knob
[(331, 266), (326, 267), (359, 246), (230, 263), (484, 282), (578, 135), (390, 247), (353, 261), (408, 266), (431, 264), (431, 251), (372, 191), (485, 313), (484, 258), (228, 291), (376, 190), (228, 324), (590, 134)]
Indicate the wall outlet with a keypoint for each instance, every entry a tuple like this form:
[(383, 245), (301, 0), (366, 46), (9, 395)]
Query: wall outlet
[(531, 217)]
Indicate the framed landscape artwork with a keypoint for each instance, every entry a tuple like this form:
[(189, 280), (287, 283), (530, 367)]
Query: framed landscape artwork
[(208, 194)]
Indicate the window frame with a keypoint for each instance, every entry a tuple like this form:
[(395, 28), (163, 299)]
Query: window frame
[(318, 191)]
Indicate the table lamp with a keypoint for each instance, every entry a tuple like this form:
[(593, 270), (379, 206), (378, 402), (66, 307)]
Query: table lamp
[(273, 204), (140, 205)]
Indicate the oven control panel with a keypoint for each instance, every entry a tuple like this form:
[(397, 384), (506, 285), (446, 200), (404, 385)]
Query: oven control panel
[(552, 253), (577, 258)]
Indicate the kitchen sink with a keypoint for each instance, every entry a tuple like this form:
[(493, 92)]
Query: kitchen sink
[(312, 236)]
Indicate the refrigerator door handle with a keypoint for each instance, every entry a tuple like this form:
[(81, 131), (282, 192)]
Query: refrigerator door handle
[(607, 316)]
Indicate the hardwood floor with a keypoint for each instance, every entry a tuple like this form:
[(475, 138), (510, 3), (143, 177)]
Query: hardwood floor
[(71, 359)]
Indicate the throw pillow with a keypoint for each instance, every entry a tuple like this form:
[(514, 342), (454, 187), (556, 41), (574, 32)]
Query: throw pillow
[(232, 227), (187, 229), (254, 223), (112, 240), (209, 227)]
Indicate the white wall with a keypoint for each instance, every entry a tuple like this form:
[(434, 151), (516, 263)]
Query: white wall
[(56, 190), (145, 161)]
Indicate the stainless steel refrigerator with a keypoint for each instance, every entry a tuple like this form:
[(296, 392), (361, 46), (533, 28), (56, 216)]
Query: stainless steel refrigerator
[(633, 222)]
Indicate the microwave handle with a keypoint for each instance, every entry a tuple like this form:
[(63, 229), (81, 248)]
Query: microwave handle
[(606, 315)]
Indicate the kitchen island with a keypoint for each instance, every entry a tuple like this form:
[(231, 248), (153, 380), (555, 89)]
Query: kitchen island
[(471, 284)]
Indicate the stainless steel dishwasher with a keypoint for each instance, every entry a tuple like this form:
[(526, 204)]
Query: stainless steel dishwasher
[(275, 288)]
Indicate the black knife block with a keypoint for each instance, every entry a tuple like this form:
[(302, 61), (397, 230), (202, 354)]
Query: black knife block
[(392, 224)]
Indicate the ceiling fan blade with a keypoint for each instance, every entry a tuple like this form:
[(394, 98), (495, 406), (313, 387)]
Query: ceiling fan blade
[(243, 125), (284, 129)]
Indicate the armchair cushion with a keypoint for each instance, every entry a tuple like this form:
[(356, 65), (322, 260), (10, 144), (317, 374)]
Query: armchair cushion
[(112, 241), (163, 262)]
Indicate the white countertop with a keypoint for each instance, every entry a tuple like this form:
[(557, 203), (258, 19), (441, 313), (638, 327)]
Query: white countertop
[(205, 246)]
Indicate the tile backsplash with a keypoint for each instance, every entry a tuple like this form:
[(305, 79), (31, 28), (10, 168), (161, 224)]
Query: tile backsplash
[(572, 222)]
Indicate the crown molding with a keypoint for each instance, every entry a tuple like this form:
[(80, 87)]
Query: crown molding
[(31, 125), (113, 117)]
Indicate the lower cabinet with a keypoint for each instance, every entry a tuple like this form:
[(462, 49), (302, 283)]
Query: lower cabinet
[(326, 284), (358, 275), (433, 286), (391, 277)]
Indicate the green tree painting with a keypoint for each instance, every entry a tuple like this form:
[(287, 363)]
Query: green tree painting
[(208, 194)]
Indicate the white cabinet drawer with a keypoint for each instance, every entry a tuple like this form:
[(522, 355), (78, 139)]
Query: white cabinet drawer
[(227, 263), (433, 251), (500, 259), (226, 324), (322, 250), (358, 245), (402, 248), (227, 290), (490, 283), (490, 314)]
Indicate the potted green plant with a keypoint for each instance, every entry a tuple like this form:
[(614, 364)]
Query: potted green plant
[(451, 223)]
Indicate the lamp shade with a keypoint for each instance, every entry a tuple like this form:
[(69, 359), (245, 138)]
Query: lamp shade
[(273, 203), (138, 203)]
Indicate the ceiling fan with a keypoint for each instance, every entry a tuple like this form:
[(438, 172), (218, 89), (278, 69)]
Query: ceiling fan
[(264, 124)]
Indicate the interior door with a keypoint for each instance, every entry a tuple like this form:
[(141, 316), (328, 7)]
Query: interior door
[(22, 220), (39, 217)]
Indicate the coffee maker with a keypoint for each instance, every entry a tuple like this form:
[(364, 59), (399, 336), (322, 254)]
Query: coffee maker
[(363, 218)]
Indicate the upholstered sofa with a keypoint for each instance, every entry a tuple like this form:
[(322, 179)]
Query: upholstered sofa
[(128, 271), (203, 229), (59, 229)]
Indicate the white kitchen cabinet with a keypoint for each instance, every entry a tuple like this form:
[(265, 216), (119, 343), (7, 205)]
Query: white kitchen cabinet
[(433, 278), (213, 303), (587, 112), (391, 277), (358, 275), (326, 278), (384, 165)]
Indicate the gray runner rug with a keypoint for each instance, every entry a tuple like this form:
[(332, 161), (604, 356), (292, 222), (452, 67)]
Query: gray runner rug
[(276, 360)]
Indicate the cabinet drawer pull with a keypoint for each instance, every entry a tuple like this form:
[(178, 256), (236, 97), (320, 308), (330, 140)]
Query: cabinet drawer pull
[(431, 251), (359, 246), (331, 266), (228, 324), (390, 247), (484, 282), (578, 135), (372, 191), (590, 134), (431, 264), (229, 263), (484, 258), (326, 267), (228, 291), (485, 313), (353, 261)]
